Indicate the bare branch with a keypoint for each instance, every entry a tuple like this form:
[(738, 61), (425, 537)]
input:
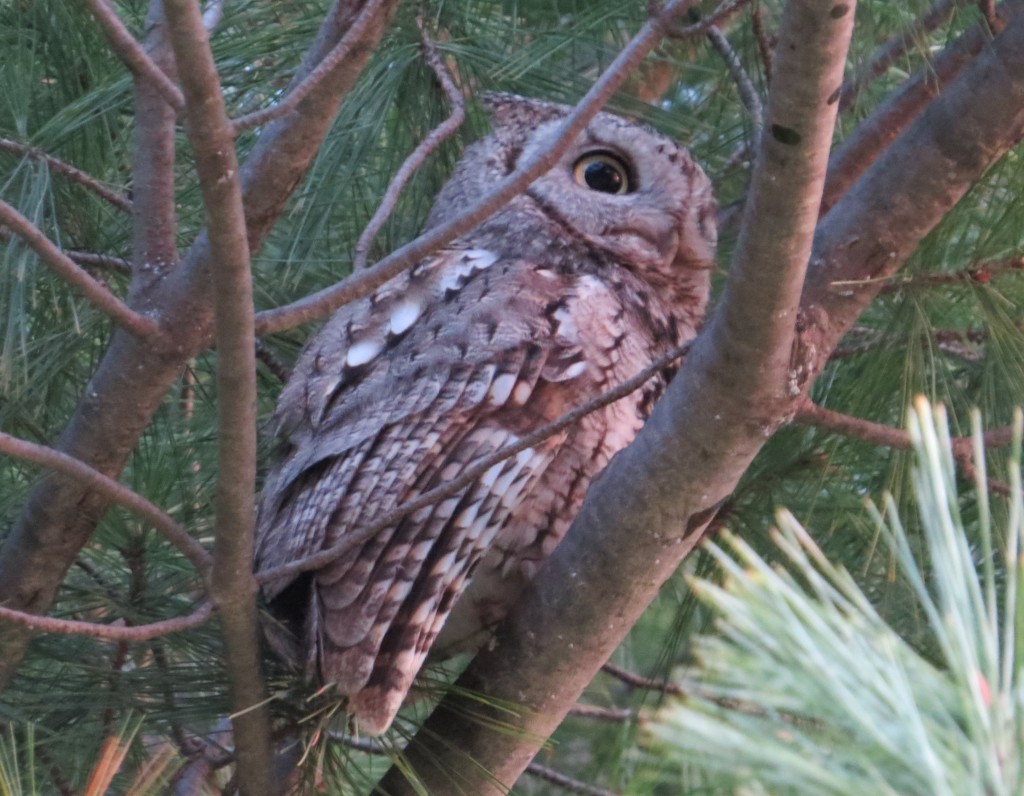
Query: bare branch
[(639, 681), (132, 54), (616, 715), (365, 282), (299, 92), (744, 86), (566, 782), (232, 585), (64, 266), (71, 172), (70, 627), (810, 414), (420, 154), (114, 490), (890, 119), (471, 474), (894, 49), (101, 261), (86, 259)]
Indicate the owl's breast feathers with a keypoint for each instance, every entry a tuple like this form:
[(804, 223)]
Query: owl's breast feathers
[(403, 391)]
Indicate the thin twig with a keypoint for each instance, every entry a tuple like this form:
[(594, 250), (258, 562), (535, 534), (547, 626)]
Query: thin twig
[(132, 53), (65, 267), (634, 680), (325, 557), (566, 782), (88, 260), (979, 274), (616, 715), (364, 282), (810, 414), (744, 85), (71, 627), (895, 49), (427, 146), (291, 101), (73, 173), (105, 262), (114, 491)]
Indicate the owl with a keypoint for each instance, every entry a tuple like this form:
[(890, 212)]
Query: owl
[(599, 267)]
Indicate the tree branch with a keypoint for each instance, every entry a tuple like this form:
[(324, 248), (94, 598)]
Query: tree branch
[(64, 266), (128, 633), (427, 146), (365, 282), (649, 507), (894, 49), (132, 54), (233, 588), (133, 377), (71, 172), (341, 51), (114, 491), (871, 137)]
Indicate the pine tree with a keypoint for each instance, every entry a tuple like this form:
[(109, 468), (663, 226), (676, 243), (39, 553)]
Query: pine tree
[(838, 300)]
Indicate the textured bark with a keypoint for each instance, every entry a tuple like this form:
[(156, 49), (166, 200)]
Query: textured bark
[(133, 378)]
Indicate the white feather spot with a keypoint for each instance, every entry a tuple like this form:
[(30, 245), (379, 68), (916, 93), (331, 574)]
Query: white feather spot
[(574, 370), (403, 316), (362, 352), (492, 474), (521, 394), (471, 260), (501, 388), (479, 258)]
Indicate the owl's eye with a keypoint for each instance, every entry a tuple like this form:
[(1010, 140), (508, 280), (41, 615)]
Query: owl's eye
[(604, 172)]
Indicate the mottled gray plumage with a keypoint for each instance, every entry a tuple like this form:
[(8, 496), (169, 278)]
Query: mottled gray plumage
[(566, 292)]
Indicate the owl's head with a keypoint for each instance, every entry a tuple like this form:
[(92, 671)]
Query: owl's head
[(621, 187)]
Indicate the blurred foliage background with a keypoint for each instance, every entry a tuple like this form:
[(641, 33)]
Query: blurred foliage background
[(956, 340)]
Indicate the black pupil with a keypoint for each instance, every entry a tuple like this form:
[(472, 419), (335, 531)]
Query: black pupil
[(602, 177)]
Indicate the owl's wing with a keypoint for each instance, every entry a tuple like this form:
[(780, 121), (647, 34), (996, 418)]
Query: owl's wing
[(396, 396)]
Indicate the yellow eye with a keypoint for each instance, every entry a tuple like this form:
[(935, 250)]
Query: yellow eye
[(604, 172)]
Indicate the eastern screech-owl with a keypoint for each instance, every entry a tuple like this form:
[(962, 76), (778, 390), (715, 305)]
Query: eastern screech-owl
[(575, 286)]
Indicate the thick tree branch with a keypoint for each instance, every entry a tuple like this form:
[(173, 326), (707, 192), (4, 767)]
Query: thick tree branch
[(114, 491), (71, 172), (648, 509), (871, 137), (34, 623), (906, 192), (132, 53), (365, 282), (101, 298), (133, 378), (895, 49), (232, 585)]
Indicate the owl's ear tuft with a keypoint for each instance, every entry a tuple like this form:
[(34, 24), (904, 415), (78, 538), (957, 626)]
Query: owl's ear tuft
[(517, 112)]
